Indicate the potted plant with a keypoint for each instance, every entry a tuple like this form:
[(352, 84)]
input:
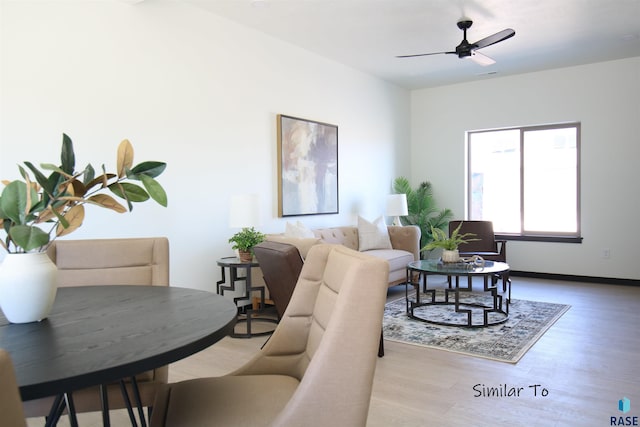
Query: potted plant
[(422, 209), (38, 209), (244, 241), (449, 245)]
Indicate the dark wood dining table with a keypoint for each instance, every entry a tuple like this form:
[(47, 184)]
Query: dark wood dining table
[(100, 334)]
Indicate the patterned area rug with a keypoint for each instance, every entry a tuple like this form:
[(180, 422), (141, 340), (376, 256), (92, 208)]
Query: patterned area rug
[(505, 342)]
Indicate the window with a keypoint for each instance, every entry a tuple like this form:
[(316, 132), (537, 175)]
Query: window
[(527, 181)]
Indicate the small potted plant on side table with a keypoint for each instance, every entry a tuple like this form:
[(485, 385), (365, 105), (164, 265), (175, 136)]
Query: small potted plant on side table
[(449, 245), (244, 241)]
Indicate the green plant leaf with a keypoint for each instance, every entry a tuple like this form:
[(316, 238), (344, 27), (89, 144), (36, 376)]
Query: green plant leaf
[(151, 168), (28, 237), (41, 179), (155, 190), (13, 201), (88, 175), (129, 192), (54, 168), (67, 156)]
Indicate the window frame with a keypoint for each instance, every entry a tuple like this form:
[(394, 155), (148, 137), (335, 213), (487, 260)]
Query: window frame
[(524, 235)]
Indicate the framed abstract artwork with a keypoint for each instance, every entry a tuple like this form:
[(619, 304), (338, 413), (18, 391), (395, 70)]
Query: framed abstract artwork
[(307, 167)]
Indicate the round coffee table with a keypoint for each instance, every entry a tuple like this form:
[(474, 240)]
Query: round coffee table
[(491, 272)]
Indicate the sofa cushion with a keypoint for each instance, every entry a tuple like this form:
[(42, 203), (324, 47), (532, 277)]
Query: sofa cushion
[(397, 259), (373, 235), (345, 236), (303, 245), (298, 230)]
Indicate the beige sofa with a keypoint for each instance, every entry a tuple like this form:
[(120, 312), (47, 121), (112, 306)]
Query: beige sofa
[(405, 243)]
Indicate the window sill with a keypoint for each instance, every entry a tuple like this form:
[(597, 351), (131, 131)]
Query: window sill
[(554, 239)]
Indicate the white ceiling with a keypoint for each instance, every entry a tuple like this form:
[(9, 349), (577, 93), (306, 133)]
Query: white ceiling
[(368, 34)]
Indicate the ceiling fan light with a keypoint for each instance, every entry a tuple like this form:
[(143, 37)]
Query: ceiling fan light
[(481, 59)]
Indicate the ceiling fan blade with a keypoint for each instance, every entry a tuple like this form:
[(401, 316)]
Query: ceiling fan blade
[(424, 54), (495, 38), (481, 59)]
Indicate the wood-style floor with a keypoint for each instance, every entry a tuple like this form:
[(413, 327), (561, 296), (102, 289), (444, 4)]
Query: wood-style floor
[(573, 376)]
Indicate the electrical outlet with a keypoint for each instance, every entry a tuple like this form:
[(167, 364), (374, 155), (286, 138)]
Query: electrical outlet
[(606, 253)]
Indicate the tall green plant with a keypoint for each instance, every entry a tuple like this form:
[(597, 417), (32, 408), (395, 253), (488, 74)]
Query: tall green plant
[(422, 209)]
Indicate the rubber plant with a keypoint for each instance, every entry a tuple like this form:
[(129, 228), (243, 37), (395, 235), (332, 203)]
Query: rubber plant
[(38, 209), (422, 209)]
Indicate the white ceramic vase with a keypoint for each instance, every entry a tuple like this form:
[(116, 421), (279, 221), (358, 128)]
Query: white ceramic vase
[(28, 287), (450, 256)]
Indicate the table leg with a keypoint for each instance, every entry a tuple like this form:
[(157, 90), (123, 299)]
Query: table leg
[(106, 422), (57, 408), (60, 402), (248, 293), (71, 409), (457, 300), (408, 282), (506, 283), (136, 393), (127, 402), (220, 282)]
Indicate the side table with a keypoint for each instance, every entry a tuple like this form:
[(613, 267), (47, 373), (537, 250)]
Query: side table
[(245, 314)]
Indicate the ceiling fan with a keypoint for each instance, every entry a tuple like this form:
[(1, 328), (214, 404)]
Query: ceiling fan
[(469, 50)]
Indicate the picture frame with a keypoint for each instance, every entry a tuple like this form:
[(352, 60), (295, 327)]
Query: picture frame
[(307, 167)]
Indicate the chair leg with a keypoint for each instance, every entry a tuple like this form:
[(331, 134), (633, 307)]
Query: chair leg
[(381, 346)]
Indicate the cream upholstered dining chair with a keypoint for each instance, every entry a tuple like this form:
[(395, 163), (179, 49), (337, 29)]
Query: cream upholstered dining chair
[(11, 414), (131, 261), (316, 369)]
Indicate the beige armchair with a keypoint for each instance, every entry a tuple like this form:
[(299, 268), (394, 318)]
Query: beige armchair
[(11, 414), (133, 261), (316, 369)]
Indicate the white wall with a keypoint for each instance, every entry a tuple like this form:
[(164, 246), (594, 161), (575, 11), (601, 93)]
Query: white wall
[(198, 92), (604, 98)]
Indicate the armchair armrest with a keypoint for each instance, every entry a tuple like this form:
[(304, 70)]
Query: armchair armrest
[(406, 238), (502, 248)]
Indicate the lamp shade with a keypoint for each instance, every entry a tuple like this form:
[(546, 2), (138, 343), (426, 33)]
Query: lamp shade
[(244, 211), (397, 205)]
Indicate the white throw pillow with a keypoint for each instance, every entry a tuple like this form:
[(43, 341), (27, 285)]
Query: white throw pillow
[(373, 235), (298, 230)]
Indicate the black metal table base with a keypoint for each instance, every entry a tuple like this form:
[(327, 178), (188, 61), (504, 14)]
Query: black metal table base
[(249, 317), (65, 401), (490, 282), (245, 315)]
